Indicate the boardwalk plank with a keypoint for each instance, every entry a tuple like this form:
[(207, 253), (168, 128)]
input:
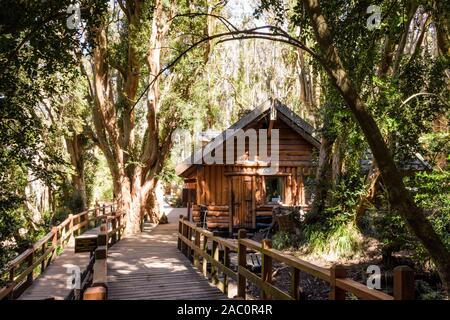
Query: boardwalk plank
[(144, 266), (149, 266)]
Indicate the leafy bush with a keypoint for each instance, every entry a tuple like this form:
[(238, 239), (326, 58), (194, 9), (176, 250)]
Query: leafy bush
[(339, 241), (283, 240), (432, 194), (430, 191)]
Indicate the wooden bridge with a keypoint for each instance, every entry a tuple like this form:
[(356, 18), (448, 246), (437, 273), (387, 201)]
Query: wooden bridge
[(156, 263)]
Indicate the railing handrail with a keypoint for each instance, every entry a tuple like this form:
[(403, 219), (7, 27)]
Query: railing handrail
[(223, 241), (58, 236), (20, 257), (335, 276)]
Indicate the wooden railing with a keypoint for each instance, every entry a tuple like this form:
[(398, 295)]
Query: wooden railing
[(21, 271), (99, 283), (193, 242)]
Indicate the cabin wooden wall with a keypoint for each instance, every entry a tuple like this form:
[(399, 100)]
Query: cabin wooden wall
[(214, 188), (294, 150), (213, 182)]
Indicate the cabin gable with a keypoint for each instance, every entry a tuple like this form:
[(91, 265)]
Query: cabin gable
[(242, 194)]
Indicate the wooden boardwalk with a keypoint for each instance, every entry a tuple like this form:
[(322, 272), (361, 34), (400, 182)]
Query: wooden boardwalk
[(149, 266), (52, 283)]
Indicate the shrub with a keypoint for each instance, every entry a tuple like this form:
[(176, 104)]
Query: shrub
[(283, 240), (340, 241)]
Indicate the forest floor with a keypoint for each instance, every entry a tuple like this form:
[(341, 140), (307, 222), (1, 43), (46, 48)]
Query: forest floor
[(311, 288)]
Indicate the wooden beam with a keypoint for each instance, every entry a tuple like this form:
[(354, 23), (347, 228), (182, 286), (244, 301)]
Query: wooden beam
[(95, 293), (337, 272), (403, 283), (242, 263), (266, 270)]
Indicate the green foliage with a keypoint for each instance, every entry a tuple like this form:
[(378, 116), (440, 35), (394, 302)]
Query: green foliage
[(37, 61), (426, 292), (333, 240), (102, 182), (390, 229), (432, 194), (175, 201), (168, 174), (430, 190), (283, 240)]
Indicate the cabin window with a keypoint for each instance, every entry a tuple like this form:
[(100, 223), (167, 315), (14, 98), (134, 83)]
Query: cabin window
[(274, 189)]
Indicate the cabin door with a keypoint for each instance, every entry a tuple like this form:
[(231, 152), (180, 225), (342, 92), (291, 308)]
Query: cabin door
[(242, 201)]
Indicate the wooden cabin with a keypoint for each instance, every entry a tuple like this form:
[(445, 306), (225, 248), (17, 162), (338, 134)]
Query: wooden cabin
[(242, 194)]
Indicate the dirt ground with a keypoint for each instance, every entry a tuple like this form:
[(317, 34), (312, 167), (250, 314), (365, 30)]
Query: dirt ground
[(426, 283)]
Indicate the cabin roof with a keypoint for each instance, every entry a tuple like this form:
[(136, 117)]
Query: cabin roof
[(285, 114)]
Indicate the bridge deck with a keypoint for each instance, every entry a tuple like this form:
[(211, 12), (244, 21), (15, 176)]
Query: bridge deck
[(149, 266), (53, 282)]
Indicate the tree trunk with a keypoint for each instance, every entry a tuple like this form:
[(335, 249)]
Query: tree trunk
[(442, 25), (399, 197), (323, 177), (401, 46), (415, 47), (75, 149), (115, 135), (366, 200), (153, 213), (386, 56)]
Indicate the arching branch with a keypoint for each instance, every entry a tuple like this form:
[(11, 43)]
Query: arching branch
[(274, 33)]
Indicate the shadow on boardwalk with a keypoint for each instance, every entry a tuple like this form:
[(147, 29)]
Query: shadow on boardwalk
[(149, 266)]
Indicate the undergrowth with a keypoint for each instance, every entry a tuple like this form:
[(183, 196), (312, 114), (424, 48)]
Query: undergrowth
[(282, 240), (339, 241)]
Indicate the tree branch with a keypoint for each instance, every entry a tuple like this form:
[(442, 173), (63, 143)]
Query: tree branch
[(278, 35)]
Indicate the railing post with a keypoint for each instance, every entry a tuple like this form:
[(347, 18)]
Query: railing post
[(70, 227), (184, 246), (403, 283), (242, 263), (197, 246), (76, 223), (205, 252), (54, 243), (214, 269), (63, 235), (11, 280), (119, 228), (226, 262), (95, 293), (82, 220), (295, 283), (43, 248), (266, 270), (99, 288), (180, 231), (189, 237), (96, 213), (337, 272), (114, 231), (30, 263)]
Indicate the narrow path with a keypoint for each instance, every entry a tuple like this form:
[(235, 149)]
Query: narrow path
[(149, 266), (54, 282)]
